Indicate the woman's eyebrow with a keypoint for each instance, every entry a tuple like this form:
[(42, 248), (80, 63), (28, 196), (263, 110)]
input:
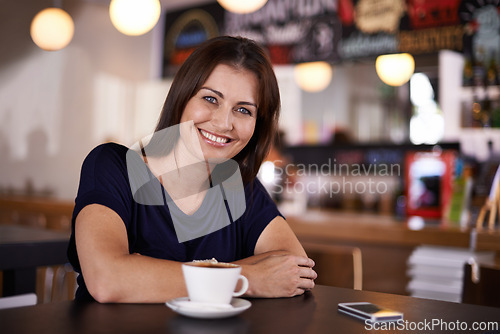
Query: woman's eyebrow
[(222, 96), (214, 91), (248, 104)]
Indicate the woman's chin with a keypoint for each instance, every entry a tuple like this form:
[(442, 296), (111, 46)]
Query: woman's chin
[(216, 160)]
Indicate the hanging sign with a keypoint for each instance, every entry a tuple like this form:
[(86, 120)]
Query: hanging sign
[(187, 29), (375, 27), (433, 26), (336, 30), (293, 31)]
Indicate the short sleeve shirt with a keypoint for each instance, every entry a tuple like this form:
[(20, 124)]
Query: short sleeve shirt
[(150, 229)]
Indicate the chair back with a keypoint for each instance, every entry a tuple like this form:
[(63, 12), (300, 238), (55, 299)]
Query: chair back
[(481, 284), (336, 265)]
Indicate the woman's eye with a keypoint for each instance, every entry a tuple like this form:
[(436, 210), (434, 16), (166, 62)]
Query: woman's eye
[(244, 111), (210, 99)]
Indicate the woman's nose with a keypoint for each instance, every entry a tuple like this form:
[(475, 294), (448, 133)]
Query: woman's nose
[(222, 119)]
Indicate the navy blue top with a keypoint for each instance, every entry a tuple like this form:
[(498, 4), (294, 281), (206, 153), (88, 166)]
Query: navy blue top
[(104, 180)]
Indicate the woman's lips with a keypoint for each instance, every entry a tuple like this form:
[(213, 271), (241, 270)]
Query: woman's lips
[(214, 139)]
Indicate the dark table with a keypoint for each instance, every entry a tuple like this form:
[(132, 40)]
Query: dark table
[(23, 249), (315, 312)]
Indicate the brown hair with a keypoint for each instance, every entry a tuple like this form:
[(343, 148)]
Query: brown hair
[(241, 53)]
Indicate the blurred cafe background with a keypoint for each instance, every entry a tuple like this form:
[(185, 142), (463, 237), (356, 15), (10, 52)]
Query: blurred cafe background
[(386, 163)]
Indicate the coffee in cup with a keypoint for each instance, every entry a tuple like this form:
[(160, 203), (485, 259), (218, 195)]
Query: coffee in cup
[(213, 282)]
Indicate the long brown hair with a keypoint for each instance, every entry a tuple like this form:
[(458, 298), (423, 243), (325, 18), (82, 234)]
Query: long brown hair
[(241, 53)]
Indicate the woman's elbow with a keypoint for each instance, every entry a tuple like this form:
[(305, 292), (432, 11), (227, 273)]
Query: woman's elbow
[(103, 290), (102, 296)]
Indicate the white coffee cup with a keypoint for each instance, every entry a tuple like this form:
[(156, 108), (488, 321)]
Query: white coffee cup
[(209, 282)]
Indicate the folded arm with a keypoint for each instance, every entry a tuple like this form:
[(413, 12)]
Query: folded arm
[(279, 268)]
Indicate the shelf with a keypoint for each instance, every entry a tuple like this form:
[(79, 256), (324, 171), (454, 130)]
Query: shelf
[(493, 92), (331, 226), (485, 131)]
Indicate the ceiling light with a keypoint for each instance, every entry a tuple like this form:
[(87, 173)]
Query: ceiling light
[(313, 77), (52, 29), (242, 6), (134, 17), (395, 69)]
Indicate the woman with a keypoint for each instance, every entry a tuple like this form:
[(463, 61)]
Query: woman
[(224, 101)]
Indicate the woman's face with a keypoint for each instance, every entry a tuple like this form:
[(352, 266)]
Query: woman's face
[(223, 114)]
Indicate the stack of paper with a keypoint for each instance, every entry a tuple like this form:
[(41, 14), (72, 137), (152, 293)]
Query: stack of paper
[(437, 272)]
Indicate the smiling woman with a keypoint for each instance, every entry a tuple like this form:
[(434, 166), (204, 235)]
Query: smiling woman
[(241, 55), (199, 195)]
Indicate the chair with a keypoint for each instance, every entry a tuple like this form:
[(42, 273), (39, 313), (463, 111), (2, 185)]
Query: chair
[(336, 265), (18, 301), (481, 284), (56, 283), (491, 208)]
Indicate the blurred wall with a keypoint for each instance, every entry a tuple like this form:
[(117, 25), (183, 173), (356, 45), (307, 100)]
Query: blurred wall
[(56, 106)]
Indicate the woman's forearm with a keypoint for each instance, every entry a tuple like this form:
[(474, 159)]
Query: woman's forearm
[(142, 279), (135, 279), (259, 257)]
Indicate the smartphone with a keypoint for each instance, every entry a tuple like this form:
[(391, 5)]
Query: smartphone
[(369, 312)]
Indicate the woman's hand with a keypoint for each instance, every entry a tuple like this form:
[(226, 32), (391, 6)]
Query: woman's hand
[(280, 266), (279, 274)]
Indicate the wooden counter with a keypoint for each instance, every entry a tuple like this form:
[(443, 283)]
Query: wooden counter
[(386, 230), (385, 242), (42, 212)]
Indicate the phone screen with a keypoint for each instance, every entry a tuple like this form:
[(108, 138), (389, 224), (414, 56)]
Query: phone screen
[(366, 308), (369, 311)]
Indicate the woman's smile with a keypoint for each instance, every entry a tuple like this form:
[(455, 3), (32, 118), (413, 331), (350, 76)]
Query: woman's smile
[(214, 139)]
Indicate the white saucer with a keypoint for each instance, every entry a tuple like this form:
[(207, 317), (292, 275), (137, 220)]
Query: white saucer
[(238, 305)]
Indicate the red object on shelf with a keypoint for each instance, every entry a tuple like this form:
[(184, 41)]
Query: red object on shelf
[(429, 182), (346, 12), (432, 13)]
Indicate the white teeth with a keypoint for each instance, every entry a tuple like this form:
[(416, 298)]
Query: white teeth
[(214, 138)]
